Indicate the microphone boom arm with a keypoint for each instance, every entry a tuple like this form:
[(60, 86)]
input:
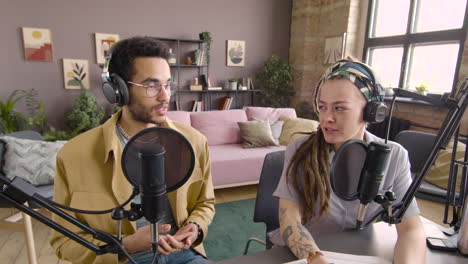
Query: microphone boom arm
[(457, 107), (18, 191)]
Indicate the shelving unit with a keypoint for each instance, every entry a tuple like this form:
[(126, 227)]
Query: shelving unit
[(185, 97)]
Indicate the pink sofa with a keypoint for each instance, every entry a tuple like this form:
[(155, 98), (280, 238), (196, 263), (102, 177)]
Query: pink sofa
[(232, 165)]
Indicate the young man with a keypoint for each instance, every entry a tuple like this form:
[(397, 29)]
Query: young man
[(89, 174)]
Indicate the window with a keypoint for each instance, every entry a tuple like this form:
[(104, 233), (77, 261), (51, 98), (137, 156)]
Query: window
[(414, 42)]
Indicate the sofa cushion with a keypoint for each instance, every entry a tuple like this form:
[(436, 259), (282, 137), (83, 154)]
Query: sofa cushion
[(257, 133), (179, 116), (438, 174), (231, 164), (268, 113), (294, 128), (32, 160), (219, 127)]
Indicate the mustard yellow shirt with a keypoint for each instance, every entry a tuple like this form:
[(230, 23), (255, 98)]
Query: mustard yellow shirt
[(89, 177)]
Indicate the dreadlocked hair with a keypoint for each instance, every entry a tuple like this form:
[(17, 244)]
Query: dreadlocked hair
[(308, 172)]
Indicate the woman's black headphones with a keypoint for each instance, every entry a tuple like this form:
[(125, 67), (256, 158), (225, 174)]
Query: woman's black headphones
[(375, 110), (115, 89)]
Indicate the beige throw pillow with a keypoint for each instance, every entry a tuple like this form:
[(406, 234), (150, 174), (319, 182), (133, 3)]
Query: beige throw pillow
[(294, 128), (438, 174), (256, 133)]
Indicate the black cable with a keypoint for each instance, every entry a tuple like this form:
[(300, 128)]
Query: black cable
[(389, 122), (118, 243), (155, 261), (87, 211)]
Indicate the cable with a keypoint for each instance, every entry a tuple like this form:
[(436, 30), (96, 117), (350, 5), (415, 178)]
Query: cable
[(155, 261), (87, 211), (117, 242), (389, 122)]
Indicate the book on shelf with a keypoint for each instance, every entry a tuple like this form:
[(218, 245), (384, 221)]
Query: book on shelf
[(225, 103), (251, 84), (198, 57), (217, 88), (194, 107), (198, 106), (204, 80), (229, 103), (208, 80)]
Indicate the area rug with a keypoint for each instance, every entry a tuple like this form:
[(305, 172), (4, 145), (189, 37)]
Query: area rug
[(232, 226)]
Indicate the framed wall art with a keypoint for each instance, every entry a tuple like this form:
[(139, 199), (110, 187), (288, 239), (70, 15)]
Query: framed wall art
[(103, 44), (37, 44), (76, 74), (235, 53), (334, 48)]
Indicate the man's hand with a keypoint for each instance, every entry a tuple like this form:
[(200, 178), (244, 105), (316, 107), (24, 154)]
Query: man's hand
[(141, 239), (181, 240)]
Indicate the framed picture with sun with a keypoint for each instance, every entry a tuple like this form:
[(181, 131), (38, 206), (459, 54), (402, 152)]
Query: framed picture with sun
[(37, 44), (76, 74)]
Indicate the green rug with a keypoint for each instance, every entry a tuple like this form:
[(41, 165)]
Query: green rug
[(232, 226)]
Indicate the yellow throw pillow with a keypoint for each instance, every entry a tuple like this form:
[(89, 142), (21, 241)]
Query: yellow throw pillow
[(256, 133), (438, 174), (294, 128)]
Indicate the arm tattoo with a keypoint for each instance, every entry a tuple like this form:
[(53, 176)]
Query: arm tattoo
[(282, 213), (286, 234), (301, 242)]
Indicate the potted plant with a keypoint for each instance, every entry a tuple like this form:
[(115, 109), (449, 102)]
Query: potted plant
[(232, 83), (206, 37), (12, 120), (275, 80), (421, 89), (84, 115)]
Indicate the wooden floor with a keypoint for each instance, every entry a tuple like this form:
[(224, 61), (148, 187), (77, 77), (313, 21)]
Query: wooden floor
[(13, 249)]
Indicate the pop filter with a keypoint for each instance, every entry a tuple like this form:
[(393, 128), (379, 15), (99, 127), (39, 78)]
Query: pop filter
[(179, 158), (346, 167)]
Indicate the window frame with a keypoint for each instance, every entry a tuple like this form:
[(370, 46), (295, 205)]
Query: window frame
[(409, 39)]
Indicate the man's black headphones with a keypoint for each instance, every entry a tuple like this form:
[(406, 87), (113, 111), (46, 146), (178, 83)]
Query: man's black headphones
[(375, 110), (115, 89)]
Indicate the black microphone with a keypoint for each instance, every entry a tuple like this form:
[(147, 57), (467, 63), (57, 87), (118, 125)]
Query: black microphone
[(153, 187), (371, 176)]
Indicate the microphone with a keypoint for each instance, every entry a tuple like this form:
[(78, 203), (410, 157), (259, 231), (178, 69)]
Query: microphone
[(153, 187), (371, 177)]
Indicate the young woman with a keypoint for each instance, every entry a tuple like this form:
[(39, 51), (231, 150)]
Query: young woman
[(307, 205)]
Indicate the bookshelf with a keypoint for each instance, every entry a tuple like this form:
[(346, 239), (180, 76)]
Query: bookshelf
[(183, 74), (213, 98)]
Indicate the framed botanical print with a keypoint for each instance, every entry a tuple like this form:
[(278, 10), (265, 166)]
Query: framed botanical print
[(76, 74)]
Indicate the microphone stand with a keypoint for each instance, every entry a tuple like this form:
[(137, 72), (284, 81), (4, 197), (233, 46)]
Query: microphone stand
[(18, 191), (457, 106)]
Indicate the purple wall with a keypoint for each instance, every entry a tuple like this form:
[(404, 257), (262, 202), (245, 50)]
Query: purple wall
[(263, 24)]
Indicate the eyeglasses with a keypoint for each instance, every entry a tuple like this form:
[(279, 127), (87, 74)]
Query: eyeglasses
[(154, 88)]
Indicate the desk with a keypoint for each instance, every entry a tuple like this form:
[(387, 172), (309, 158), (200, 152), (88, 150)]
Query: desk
[(377, 240)]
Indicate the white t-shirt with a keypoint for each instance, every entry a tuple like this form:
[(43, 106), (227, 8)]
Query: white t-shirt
[(342, 214)]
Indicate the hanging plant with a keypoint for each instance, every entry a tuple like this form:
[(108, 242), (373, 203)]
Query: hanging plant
[(206, 37)]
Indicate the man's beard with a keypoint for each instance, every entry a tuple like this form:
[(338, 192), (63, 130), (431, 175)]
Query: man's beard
[(139, 114)]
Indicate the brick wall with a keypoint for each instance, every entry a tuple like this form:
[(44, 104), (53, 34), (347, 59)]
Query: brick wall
[(313, 21)]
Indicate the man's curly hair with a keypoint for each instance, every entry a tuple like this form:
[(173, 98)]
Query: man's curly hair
[(124, 53)]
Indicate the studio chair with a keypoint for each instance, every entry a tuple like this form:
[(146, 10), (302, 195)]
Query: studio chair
[(266, 205), (11, 223), (419, 146)]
